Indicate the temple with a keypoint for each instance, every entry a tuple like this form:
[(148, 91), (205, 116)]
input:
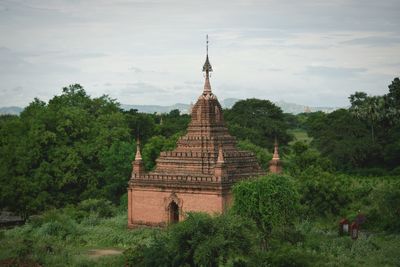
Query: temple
[(275, 164), (197, 175)]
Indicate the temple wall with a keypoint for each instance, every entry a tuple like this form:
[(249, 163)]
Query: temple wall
[(150, 206)]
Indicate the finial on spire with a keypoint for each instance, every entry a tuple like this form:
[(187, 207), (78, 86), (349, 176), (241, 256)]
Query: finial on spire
[(207, 69), (207, 43)]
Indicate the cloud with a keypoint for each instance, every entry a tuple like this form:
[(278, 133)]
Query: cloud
[(15, 63), (135, 70), (141, 88), (375, 41), (145, 50), (334, 72)]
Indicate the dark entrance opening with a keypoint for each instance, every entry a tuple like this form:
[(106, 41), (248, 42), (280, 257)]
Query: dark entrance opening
[(173, 212)]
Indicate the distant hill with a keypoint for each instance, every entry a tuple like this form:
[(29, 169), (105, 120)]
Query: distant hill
[(227, 103), (10, 110), (184, 108), (296, 108)]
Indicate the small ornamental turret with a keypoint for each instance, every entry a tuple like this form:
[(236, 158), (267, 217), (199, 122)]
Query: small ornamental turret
[(275, 165), (219, 170), (138, 167)]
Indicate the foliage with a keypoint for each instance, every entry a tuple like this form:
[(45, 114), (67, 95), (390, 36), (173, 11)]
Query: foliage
[(270, 201), (343, 139), (369, 109), (103, 208), (75, 152), (173, 123), (259, 121), (61, 237), (323, 193), (262, 155), (365, 135), (302, 158), (386, 210), (200, 240), (62, 152), (154, 146)]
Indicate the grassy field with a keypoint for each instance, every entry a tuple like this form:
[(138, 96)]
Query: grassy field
[(299, 135), (64, 242)]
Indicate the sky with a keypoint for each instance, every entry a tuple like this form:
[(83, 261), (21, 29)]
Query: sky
[(309, 52)]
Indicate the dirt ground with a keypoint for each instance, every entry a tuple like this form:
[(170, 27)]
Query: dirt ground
[(97, 253)]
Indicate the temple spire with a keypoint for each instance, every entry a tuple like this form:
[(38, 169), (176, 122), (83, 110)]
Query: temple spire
[(275, 165), (207, 69), (138, 166), (138, 154), (276, 152)]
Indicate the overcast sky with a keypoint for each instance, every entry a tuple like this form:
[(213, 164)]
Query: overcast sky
[(311, 52)]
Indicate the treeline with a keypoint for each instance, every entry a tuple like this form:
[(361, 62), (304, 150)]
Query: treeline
[(362, 139), (74, 154), (76, 147)]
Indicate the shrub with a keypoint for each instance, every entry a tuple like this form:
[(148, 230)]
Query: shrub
[(270, 201), (289, 256), (387, 206), (324, 193), (200, 240), (103, 208)]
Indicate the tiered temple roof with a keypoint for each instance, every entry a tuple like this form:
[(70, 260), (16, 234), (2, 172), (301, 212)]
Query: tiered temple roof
[(206, 156)]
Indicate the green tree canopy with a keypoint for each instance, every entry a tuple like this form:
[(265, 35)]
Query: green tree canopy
[(200, 240), (259, 121), (271, 202), (72, 148)]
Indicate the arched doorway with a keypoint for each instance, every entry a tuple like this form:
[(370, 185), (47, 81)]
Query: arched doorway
[(173, 212)]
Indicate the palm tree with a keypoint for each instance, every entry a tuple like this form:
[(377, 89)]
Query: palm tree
[(370, 109)]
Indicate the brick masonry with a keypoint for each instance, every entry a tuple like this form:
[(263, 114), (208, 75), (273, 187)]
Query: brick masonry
[(197, 175)]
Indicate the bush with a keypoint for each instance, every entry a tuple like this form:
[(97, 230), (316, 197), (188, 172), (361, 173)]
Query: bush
[(103, 208), (271, 202), (323, 193), (387, 206), (289, 256), (200, 240), (60, 228)]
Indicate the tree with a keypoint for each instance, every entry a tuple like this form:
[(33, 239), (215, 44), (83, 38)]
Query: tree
[(302, 158), (199, 240), (141, 125), (153, 148), (173, 123), (344, 139), (259, 121), (393, 102), (72, 148), (263, 156), (323, 193), (368, 108), (271, 202)]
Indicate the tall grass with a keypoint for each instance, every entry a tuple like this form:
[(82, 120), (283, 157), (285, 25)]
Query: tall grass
[(56, 239)]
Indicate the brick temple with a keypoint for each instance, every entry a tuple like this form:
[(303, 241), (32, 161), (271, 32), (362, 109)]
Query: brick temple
[(197, 175)]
